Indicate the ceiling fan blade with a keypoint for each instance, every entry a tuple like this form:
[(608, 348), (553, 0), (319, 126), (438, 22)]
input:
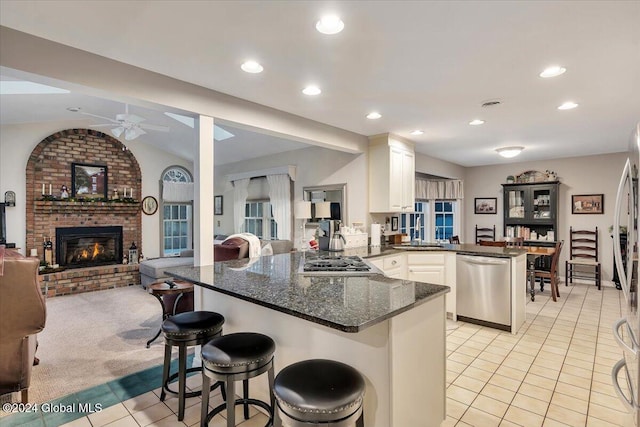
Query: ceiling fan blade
[(104, 124), (154, 127), (129, 118), (100, 117)]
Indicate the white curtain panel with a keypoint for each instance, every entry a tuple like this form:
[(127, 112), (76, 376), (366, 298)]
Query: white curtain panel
[(439, 190), (177, 191), (240, 192), (280, 198)]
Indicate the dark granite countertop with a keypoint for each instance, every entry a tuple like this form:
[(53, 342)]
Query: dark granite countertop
[(345, 302), (463, 249)]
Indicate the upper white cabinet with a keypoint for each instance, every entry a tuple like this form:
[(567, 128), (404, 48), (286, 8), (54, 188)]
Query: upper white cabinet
[(392, 169)]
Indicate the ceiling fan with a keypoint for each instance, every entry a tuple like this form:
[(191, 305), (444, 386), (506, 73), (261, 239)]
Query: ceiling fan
[(129, 124)]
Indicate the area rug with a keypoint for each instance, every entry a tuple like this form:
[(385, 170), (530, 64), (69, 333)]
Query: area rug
[(93, 338)]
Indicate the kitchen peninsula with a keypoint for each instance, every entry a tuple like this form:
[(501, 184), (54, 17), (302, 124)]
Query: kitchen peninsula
[(392, 331)]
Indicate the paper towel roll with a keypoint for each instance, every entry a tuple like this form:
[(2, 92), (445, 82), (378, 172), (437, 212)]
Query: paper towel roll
[(375, 235)]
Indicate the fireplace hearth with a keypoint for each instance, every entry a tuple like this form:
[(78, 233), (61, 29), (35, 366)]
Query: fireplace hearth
[(78, 247)]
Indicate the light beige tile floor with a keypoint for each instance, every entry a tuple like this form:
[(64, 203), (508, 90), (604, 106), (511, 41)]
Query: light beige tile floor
[(554, 373)]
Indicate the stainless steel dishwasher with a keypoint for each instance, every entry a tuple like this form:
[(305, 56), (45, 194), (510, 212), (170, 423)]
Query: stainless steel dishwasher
[(483, 290)]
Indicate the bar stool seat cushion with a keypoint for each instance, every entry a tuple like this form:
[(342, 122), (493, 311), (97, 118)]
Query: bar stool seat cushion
[(238, 352), (319, 390), (192, 325)]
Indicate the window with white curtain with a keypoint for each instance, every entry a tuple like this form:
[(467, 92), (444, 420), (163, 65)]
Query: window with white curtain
[(177, 216), (258, 220)]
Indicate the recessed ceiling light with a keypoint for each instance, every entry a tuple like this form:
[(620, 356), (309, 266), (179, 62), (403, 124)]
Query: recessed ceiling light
[(553, 71), (74, 109), (476, 122), (417, 132), (252, 67), (509, 152), (374, 115), (569, 105), (311, 90), (330, 24)]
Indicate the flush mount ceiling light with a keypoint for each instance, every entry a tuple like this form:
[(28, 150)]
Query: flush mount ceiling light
[(569, 105), (330, 24), (252, 67), (509, 152), (374, 115), (552, 71), (311, 90), (476, 122), (417, 132)]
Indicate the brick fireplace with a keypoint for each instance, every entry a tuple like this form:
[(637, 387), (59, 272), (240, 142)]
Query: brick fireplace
[(50, 166)]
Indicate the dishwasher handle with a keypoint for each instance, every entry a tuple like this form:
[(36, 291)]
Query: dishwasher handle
[(483, 260)]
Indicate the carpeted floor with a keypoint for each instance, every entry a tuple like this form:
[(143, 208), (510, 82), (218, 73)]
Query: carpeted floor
[(93, 338)]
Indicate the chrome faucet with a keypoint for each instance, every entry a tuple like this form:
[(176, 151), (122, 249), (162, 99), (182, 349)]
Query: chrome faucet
[(417, 229)]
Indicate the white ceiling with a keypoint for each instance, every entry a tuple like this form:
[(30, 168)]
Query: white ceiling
[(423, 65)]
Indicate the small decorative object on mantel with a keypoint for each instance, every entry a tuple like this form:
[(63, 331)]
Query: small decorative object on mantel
[(9, 198), (64, 192)]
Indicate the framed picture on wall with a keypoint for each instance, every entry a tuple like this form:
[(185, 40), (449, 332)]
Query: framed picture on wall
[(486, 205), (217, 205), (587, 204), (394, 223), (88, 181)]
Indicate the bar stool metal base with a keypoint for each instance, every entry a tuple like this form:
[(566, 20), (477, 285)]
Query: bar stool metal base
[(187, 330)]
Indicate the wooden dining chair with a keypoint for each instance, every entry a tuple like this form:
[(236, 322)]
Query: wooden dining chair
[(552, 274), (485, 234), (583, 262), (454, 240), (499, 243), (515, 242)]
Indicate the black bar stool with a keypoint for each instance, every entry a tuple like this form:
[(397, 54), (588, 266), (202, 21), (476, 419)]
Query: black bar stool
[(232, 358), (319, 392), (184, 330)]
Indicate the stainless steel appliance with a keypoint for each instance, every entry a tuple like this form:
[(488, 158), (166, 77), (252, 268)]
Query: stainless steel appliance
[(484, 290), (321, 264), (627, 329), (330, 238)]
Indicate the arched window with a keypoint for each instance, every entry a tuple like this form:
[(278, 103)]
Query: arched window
[(176, 174), (177, 217)]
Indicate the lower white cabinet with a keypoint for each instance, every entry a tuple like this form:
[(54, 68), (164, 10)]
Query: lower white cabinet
[(434, 267), (393, 266)]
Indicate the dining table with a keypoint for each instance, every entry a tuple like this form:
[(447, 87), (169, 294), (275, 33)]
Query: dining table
[(533, 253)]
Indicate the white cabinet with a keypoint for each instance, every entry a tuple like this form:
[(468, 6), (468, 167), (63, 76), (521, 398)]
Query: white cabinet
[(391, 175), (438, 268)]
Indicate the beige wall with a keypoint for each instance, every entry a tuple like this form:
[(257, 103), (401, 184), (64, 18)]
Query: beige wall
[(577, 175)]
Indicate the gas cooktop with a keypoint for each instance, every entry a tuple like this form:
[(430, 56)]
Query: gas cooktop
[(333, 264)]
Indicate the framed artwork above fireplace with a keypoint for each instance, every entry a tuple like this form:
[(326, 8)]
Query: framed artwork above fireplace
[(88, 181)]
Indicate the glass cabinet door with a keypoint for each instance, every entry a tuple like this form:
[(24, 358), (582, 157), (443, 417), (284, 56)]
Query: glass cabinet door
[(515, 204), (541, 203)]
